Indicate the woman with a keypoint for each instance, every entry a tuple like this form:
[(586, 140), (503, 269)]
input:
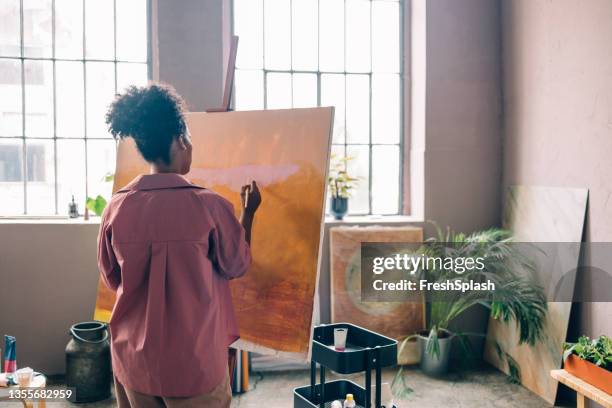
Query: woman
[(168, 248)]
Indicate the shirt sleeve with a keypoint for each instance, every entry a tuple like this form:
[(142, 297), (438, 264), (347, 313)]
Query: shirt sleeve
[(230, 252), (107, 262)]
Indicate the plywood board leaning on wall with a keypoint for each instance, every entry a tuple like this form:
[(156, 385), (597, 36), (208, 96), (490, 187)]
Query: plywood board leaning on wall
[(394, 319), (287, 153), (552, 219)]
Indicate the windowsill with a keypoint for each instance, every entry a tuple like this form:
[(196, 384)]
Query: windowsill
[(51, 220), (348, 220), (373, 219)]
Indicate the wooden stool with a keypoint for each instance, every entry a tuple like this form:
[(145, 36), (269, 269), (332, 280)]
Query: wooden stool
[(39, 381), (583, 389)]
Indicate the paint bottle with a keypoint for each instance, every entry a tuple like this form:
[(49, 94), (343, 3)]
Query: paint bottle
[(349, 402), (10, 354), (336, 404)]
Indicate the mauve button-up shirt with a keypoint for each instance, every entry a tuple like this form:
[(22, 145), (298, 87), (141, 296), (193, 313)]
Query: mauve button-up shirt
[(168, 248)]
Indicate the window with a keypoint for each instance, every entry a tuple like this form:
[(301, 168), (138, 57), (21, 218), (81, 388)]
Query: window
[(61, 63), (345, 53)]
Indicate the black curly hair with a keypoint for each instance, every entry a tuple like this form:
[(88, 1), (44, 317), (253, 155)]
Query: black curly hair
[(152, 115)]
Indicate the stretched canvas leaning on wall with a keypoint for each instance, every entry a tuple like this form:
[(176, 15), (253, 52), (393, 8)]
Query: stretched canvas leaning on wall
[(552, 219), (393, 319), (287, 153)]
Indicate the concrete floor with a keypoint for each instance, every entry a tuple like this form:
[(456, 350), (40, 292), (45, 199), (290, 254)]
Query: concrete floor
[(484, 388)]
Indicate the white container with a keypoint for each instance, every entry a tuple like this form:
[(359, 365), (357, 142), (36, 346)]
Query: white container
[(349, 402), (340, 338), (24, 376)]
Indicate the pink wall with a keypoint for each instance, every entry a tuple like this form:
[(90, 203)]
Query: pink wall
[(557, 94), (454, 115)]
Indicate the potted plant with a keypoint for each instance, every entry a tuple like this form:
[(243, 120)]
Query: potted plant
[(98, 204), (340, 185), (515, 296), (590, 360)]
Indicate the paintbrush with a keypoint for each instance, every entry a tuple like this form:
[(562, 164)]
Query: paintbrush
[(247, 190)]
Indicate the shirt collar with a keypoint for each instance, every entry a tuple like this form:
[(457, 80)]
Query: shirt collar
[(158, 181)]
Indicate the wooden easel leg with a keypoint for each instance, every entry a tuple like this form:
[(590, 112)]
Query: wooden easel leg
[(581, 401), (231, 362)]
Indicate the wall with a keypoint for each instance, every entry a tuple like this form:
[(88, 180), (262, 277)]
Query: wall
[(48, 281), (557, 86), (190, 42), (462, 103)]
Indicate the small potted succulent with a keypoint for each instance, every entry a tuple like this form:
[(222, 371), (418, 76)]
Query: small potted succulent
[(590, 360), (340, 185)]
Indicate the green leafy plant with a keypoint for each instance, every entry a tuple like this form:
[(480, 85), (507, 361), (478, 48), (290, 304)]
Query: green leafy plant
[(515, 298), (98, 204), (339, 181), (514, 372), (597, 351)]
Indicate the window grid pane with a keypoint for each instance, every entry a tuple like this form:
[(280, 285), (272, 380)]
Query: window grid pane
[(11, 120), (39, 114), (37, 29), (40, 171), (342, 53), (10, 29), (11, 175), (277, 34), (57, 80)]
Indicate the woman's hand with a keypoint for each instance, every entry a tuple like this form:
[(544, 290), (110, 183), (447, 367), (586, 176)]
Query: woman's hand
[(250, 197)]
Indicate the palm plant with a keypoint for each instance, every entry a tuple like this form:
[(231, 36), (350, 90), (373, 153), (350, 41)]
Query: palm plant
[(516, 297)]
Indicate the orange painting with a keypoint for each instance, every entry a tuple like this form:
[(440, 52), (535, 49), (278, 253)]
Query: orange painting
[(287, 153)]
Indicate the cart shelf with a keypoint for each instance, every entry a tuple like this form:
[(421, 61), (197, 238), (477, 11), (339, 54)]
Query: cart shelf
[(334, 390), (365, 350), (359, 343)]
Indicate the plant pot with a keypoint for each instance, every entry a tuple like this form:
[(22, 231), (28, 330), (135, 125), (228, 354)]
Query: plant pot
[(339, 207), (433, 365), (589, 372)]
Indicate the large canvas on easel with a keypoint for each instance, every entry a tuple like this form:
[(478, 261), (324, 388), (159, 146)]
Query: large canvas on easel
[(542, 215), (287, 153), (393, 319)]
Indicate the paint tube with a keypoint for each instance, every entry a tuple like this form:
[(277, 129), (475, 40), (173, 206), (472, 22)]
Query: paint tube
[(10, 354)]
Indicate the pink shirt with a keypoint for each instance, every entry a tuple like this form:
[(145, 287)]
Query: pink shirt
[(169, 248)]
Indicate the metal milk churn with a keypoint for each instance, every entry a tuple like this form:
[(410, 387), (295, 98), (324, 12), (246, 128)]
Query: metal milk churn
[(88, 362)]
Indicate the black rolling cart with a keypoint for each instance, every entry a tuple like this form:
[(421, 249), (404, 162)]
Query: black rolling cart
[(365, 350)]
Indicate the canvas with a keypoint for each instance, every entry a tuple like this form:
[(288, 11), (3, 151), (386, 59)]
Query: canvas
[(287, 153), (553, 218), (393, 319)]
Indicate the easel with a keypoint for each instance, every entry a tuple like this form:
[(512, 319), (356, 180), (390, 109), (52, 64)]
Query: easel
[(229, 78), (233, 354)]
